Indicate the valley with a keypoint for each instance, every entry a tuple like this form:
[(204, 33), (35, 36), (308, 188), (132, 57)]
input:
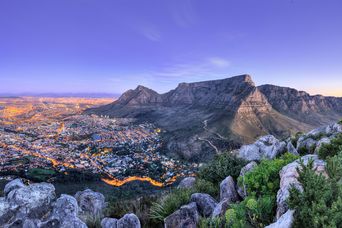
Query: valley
[(49, 139)]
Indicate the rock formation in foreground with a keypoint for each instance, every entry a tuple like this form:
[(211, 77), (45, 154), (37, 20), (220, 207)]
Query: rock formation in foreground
[(36, 206), (204, 118)]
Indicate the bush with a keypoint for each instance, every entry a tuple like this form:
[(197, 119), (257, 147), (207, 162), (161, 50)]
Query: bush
[(169, 204), (262, 185), (332, 148), (264, 179), (204, 186), (236, 216), (320, 203), (340, 122), (220, 167), (211, 223), (140, 206)]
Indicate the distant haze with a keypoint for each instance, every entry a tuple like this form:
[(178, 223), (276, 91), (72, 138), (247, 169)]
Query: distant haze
[(91, 47)]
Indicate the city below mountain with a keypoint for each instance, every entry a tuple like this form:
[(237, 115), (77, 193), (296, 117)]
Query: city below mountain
[(204, 118)]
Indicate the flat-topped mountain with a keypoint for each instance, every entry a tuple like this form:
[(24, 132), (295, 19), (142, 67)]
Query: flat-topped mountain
[(203, 118)]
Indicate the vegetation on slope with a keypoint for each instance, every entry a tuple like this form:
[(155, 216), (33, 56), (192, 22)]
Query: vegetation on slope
[(320, 203)]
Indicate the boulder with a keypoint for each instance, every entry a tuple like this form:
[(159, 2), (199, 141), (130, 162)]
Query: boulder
[(333, 129), (307, 144), (187, 182), (288, 179), (65, 206), (322, 141), (186, 217), (221, 208), (14, 184), (285, 221), (266, 147), (246, 169), (228, 190), (91, 204), (33, 201), (109, 223), (6, 212), (129, 221), (205, 203), (291, 149)]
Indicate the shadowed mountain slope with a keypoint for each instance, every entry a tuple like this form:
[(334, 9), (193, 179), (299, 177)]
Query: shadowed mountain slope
[(204, 118)]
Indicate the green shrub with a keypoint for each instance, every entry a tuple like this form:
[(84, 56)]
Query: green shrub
[(220, 167), (340, 122), (211, 223), (140, 206), (262, 185), (332, 148), (320, 203), (236, 216), (204, 186), (170, 203), (264, 179)]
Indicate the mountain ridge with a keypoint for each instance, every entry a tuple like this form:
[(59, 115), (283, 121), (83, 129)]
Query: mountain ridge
[(203, 118)]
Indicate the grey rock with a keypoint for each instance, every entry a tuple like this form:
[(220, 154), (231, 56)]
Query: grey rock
[(333, 129), (228, 190), (91, 204), (14, 184), (266, 147), (50, 223), (322, 141), (33, 201), (246, 169), (187, 182), (291, 149), (31, 223), (6, 212), (306, 143), (109, 223), (65, 206), (129, 221), (186, 217), (72, 222), (205, 203), (285, 221), (288, 179), (221, 208)]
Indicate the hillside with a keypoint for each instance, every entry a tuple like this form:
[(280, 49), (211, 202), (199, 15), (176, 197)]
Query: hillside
[(204, 118)]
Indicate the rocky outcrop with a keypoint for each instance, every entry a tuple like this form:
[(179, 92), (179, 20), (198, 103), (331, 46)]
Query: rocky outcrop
[(91, 204), (241, 190), (228, 190), (221, 208), (186, 217), (266, 147), (15, 184), (109, 223), (205, 203), (288, 180), (129, 221), (36, 206), (291, 149), (187, 182), (285, 221)]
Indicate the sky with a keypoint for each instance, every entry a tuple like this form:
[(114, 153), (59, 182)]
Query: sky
[(109, 46)]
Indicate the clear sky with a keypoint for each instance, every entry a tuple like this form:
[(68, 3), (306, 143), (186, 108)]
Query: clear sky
[(113, 45)]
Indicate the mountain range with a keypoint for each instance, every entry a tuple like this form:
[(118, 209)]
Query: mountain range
[(203, 118)]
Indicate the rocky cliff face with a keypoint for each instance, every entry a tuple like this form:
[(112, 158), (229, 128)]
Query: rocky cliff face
[(203, 118)]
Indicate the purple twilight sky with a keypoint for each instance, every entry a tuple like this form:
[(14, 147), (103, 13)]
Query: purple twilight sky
[(113, 45)]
